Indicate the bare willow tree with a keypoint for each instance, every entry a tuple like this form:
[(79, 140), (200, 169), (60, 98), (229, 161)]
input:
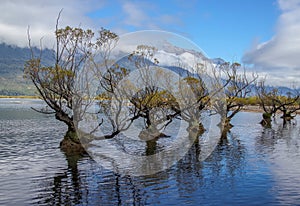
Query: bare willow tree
[(272, 100), (200, 101), (237, 86), (155, 105), (55, 84), (113, 103)]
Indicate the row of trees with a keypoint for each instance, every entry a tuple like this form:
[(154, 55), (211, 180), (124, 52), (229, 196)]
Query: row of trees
[(66, 89)]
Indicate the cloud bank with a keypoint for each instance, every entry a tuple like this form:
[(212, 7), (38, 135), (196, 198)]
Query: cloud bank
[(17, 15), (279, 57)]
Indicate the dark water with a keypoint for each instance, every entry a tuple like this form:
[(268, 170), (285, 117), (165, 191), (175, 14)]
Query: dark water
[(254, 166)]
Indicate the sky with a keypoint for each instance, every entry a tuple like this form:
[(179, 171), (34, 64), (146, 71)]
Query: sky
[(263, 34)]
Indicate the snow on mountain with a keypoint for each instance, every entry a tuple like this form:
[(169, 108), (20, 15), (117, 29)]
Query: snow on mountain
[(218, 61), (172, 56)]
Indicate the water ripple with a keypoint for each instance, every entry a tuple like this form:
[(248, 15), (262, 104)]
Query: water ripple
[(251, 167)]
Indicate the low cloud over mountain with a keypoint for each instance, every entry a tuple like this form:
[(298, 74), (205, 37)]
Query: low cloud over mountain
[(278, 58)]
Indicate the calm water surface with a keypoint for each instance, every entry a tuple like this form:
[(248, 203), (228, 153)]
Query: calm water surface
[(254, 166)]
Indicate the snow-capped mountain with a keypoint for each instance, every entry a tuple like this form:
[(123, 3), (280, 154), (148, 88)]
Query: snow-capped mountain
[(218, 61)]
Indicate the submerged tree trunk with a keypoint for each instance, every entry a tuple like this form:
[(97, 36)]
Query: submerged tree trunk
[(287, 116), (71, 143), (266, 121), (151, 147), (226, 128), (227, 125), (151, 133), (195, 129)]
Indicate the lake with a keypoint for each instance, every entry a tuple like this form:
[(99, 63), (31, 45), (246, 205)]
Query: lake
[(254, 166)]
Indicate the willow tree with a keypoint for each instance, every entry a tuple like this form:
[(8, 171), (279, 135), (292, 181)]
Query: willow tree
[(153, 104), (56, 83), (195, 106), (237, 86), (119, 118), (273, 101)]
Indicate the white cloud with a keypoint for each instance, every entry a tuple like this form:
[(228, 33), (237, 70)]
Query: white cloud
[(288, 4), (17, 15), (280, 56), (134, 14), (145, 15)]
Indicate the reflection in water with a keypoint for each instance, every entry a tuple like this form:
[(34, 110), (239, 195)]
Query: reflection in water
[(83, 182), (283, 151), (249, 167), (230, 157), (65, 187), (151, 147)]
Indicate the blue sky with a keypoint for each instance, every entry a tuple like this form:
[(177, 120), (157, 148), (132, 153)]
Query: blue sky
[(221, 28), (263, 34)]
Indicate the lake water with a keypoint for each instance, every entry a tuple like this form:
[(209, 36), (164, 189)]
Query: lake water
[(255, 166)]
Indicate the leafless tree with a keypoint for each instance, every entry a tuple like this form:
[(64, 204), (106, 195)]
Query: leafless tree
[(237, 86), (273, 100), (56, 83), (195, 106), (155, 105)]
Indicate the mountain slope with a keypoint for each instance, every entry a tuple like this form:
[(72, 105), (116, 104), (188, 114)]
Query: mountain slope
[(12, 60)]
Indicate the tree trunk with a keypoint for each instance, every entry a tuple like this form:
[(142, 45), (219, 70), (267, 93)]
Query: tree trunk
[(287, 116), (227, 125), (226, 128), (151, 133), (71, 143), (195, 129), (266, 121), (151, 147)]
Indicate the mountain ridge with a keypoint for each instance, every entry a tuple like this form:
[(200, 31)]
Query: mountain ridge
[(12, 61), (13, 58)]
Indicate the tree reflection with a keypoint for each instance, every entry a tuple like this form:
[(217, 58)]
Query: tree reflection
[(84, 182), (225, 162), (228, 157), (280, 146), (87, 185), (65, 188), (270, 137)]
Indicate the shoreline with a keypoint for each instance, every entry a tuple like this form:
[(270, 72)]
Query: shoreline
[(257, 109), (247, 108), (18, 97), (251, 108)]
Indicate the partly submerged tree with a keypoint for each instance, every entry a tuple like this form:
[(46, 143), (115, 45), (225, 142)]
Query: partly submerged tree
[(113, 106), (273, 100), (154, 104), (237, 86), (195, 106), (56, 84)]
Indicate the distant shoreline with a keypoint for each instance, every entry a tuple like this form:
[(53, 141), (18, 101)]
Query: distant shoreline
[(247, 108), (18, 97), (253, 108), (257, 109)]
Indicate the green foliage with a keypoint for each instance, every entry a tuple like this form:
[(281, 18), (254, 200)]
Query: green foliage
[(155, 99), (55, 83), (253, 100), (267, 115)]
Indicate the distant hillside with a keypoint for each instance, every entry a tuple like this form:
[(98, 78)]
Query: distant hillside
[(282, 90), (12, 60), (130, 64)]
